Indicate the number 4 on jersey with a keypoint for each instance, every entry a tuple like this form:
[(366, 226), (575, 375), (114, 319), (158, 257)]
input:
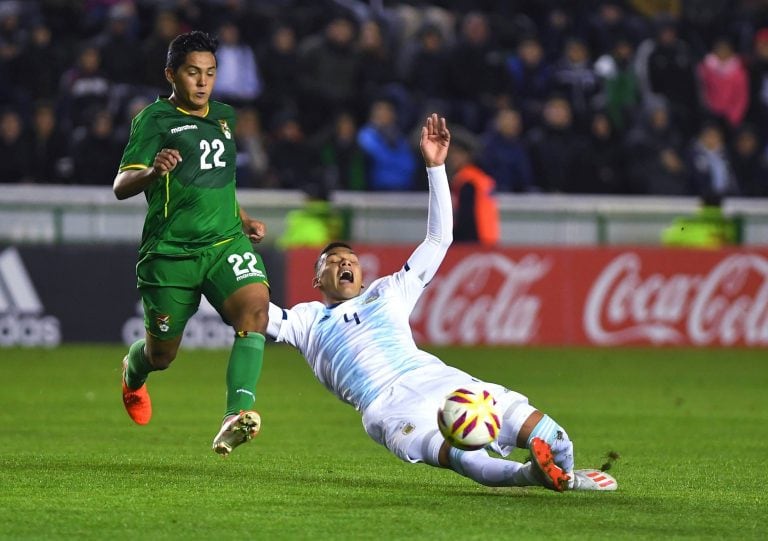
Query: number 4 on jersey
[(353, 318)]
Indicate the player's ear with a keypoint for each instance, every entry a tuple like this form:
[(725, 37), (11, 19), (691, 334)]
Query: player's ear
[(316, 282), (169, 75)]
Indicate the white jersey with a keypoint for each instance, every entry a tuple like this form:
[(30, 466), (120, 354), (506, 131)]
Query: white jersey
[(359, 347)]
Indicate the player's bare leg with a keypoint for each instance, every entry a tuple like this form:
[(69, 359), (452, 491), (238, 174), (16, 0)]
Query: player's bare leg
[(247, 310)]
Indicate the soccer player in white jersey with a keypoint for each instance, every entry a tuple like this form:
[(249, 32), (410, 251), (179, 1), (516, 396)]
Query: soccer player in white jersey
[(359, 344)]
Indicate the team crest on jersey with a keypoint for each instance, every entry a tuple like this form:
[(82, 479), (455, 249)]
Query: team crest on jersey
[(163, 322), (370, 298), (225, 128)]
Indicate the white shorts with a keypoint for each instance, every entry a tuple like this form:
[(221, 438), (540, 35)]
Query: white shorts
[(406, 412)]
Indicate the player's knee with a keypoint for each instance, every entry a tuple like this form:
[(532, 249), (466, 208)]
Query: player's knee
[(252, 318)]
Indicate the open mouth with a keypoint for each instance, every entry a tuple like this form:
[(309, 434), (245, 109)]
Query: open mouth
[(346, 276)]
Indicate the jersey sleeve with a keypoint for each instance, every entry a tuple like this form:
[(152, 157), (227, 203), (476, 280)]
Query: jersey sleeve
[(145, 140), (425, 260), (290, 326)]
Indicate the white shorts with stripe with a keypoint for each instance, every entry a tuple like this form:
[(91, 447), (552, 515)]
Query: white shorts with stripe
[(405, 414)]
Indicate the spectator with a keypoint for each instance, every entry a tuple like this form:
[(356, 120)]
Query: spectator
[(341, 158), (292, 164), (750, 162), (557, 150), (84, 88), (427, 72), (758, 79), (329, 72), (655, 150), (704, 20), (504, 155), (95, 151), (530, 78), (724, 82), (711, 170), (559, 24), (15, 159), (43, 63), (48, 146), (610, 23), (252, 159), (604, 159), (474, 72), (666, 69), (12, 39), (237, 76), (377, 69), (575, 79), (476, 214), (134, 105), (278, 62), (154, 48), (619, 93), (391, 164), (118, 45)]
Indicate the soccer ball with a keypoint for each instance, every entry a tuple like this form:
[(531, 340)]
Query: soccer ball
[(469, 419)]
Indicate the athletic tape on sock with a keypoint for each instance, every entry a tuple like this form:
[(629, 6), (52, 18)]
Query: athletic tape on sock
[(546, 429)]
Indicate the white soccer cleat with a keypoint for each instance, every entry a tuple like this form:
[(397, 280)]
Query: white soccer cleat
[(592, 480), (236, 430)]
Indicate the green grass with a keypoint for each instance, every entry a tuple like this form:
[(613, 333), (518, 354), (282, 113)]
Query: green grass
[(691, 427)]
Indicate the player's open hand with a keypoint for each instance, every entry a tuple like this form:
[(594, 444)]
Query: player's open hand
[(166, 160), (435, 139)]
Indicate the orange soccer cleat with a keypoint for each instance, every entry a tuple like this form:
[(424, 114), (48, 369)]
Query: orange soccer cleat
[(136, 401), (549, 473)]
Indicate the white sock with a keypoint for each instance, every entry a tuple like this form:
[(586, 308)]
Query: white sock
[(489, 471), (557, 438)]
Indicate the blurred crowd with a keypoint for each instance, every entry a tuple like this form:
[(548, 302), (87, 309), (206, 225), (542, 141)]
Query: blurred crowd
[(664, 97)]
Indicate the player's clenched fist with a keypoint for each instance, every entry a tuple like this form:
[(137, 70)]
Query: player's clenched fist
[(166, 160)]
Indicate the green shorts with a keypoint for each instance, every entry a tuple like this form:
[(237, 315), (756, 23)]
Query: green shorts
[(170, 287)]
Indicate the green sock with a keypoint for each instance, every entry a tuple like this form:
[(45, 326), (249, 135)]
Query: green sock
[(138, 365), (243, 371)]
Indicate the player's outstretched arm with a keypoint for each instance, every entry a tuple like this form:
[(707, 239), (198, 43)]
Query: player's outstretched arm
[(276, 315), (434, 144)]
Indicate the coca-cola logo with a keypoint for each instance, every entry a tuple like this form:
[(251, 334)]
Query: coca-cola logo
[(726, 305), (484, 298)]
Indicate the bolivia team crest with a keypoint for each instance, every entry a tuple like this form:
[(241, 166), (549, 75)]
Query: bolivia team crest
[(163, 322)]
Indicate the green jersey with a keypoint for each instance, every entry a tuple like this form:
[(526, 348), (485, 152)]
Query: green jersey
[(194, 206)]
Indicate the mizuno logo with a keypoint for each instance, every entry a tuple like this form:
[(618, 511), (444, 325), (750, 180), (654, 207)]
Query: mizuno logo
[(185, 127)]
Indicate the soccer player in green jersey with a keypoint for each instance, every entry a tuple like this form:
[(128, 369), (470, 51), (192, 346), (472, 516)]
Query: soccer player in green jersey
[(196, 238)]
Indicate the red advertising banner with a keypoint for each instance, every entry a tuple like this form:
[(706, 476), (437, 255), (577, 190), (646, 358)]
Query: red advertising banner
[(576, 296)]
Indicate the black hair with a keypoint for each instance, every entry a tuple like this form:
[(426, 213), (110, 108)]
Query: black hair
[(183, 44), (328, 248)]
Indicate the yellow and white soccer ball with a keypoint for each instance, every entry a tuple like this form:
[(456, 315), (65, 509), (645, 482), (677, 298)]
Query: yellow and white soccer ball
[(469, 418)]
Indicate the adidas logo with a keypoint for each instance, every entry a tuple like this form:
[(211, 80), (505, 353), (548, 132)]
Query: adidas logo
[(22, 318)]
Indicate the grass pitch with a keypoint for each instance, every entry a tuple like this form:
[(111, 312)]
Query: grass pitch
[(691, 428)]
